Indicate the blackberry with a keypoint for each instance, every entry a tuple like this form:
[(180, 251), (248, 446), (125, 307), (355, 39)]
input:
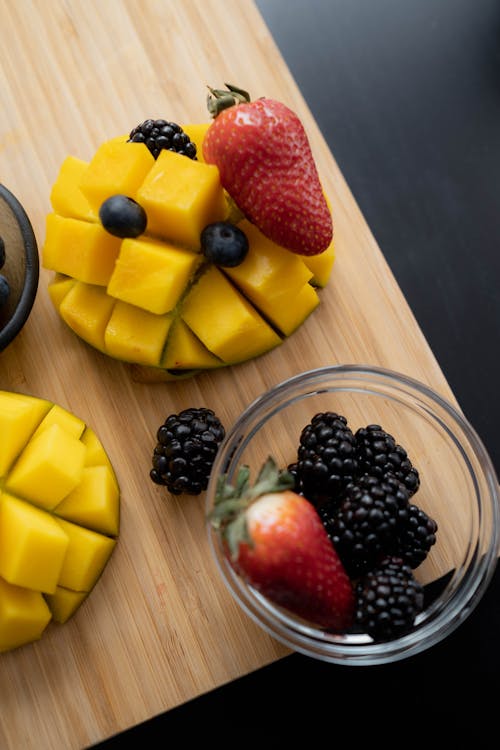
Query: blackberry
[(388, 599), (159, 134), (364, 527), (378, 453), (326, 460), (185, 452), (416, 536)]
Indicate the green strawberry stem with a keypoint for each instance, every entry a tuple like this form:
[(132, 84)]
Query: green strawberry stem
[(219, 99), (231, 501)]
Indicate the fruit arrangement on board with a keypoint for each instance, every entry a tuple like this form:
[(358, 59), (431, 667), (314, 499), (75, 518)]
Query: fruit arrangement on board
[(335, 536), (179, 248), (59, 515)]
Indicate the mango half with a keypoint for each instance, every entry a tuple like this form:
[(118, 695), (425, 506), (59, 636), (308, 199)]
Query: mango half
[(154, 300), (59, 515)]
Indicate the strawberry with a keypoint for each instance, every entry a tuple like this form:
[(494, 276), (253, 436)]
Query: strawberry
[(276, 542), (266, 165)]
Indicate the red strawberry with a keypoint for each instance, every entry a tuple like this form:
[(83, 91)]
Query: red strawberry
[(267, 167), (277, 543)]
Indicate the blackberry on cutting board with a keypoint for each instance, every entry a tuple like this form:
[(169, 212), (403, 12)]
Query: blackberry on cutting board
[(388, 599), (326, 460), (364, 528), (378, 453), (416, 536), (186, 449), (159, 134)]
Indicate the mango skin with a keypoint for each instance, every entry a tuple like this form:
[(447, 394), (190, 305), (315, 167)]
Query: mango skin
[(57, 530), (148, 301)]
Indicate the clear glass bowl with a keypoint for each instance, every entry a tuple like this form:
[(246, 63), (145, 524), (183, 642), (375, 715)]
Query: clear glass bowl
[(21, 267), (459, 489)]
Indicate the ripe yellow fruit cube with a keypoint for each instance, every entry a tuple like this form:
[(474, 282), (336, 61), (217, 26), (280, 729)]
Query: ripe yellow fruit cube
[(87, 308), (19, 417), (66, 197), (86, 556), (231, 329), (48, 469), (95, 455), (152, 275), (272, 277), (80, 249), (181, 196), (94, 502), (184, 350), (32, 545), (58, 289), (321, 265), (63, 603), (24, 615), (117, 168), (136, 335), (65, 419)]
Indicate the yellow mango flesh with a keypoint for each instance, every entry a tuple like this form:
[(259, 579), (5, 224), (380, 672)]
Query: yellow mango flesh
[(117, 168), (95, 501), (150, 300), (24, 615), (87, 308), (87, 554), (231, 329), (19, 417), (152, 275), (66, 196), (63, 603), (51, 555), (181, 196), (49, 468), (260, 277), (32, 545), (80, 249)]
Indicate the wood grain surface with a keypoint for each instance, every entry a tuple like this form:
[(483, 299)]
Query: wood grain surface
[(159, 628)]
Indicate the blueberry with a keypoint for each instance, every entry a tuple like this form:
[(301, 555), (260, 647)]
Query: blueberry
[(224, 244), (122, 216), (4, 290)]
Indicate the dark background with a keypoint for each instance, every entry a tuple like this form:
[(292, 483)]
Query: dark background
[(407, 95)]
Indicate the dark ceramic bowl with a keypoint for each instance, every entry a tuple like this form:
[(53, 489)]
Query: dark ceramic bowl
[(21, 267)]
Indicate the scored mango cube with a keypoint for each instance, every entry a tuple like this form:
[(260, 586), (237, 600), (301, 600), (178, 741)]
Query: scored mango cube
[(48, 469), (87, 554), (80, 249), (58, 289), (271, 277), (117, 168), (64, 418), (231, 329), (94, 503), (63, 603), (152, 275), (136, 335), (181, 196), (32, 545), (66, 197), (19, 417), (87, 308), (24, 615)]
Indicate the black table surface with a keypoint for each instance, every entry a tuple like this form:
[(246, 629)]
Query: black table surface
[(407, 96)]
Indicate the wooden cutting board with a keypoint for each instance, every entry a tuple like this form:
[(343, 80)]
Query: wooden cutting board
[(159, 628)]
